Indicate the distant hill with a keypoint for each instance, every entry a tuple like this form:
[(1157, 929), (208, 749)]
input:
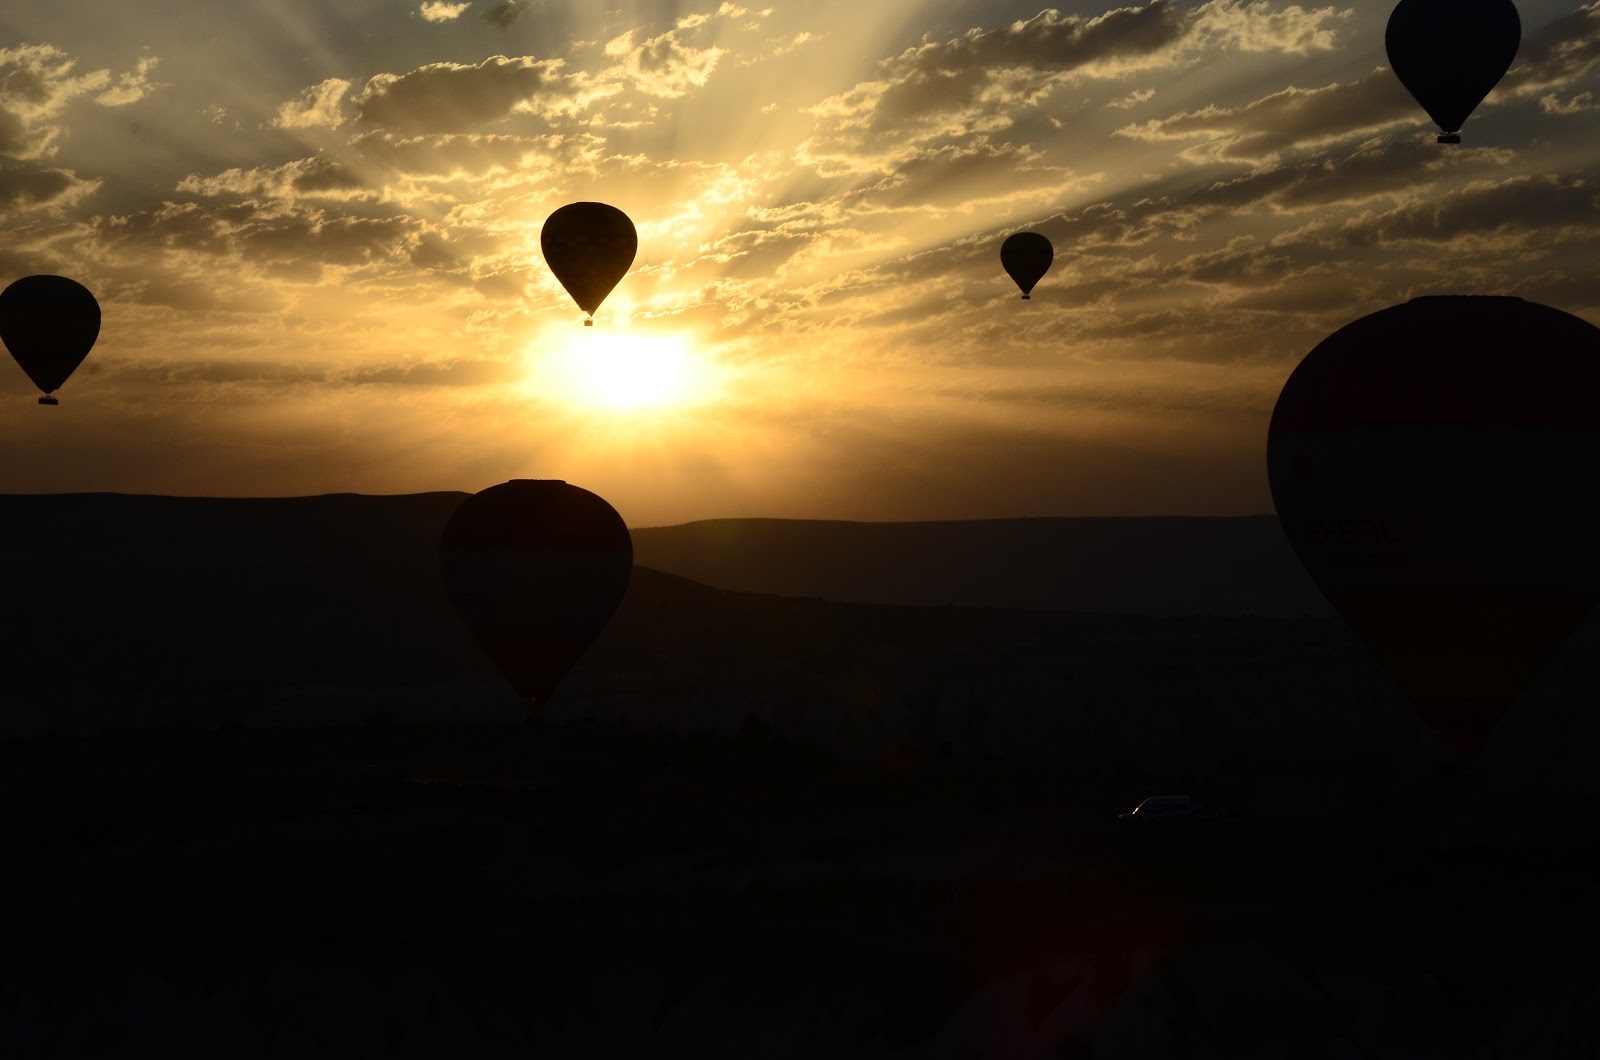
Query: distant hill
[(129, 612), (1154, 566)]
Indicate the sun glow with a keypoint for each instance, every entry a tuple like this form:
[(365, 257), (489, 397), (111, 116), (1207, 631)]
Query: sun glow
[(624, 371)]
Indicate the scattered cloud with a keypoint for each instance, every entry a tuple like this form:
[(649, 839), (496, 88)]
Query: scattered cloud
[(670, 64), (1550, 103), (1515, 212), (308, 177), (319, 106), (1261, 130), (1133, 99), (1253, 26), (37, 81), (31, 188), (440, 11), (451, 97), (131, 87), (978, 82), (1554, 56)]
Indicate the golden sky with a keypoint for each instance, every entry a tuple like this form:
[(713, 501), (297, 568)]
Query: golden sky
[(313, 228)]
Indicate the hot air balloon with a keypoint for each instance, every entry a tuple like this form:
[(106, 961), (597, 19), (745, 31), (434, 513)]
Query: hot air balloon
[(535, 568), (1436, 467), (589, 246), (49, 323), (1026, 257), (1450, 53)]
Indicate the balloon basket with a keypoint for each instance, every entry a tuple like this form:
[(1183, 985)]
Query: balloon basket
[(48, 400), (1027, 298), (588, 322), (1449, 138)]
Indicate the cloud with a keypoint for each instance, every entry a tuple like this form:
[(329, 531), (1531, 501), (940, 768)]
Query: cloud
[(1518, 211), (465, 372), (979, 81), (1290, 118), (316, 107), (1293, 118), (30, 188), (1258, 27), (450, 97), (670, 64), (439, 11), (1555, 56), (1550, 103), (470, 155), (316, 177), (505, 12), (131, 87), (1132, 99), (1380, 166), (287, 240), (36, 84)]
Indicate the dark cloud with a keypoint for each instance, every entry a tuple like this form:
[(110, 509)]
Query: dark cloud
[(325, 240), (1555, 56), (1380, 166), (37, 81), (976, 81), (1521, 209), (961, 176), (1319, 290), (14, 139), (449, 97), (316, 176), (28, 188), (1293, 117), (326, 176), (286, 241), (504, 13)]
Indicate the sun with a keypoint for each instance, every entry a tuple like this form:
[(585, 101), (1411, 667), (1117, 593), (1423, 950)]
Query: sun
[(623, 370)]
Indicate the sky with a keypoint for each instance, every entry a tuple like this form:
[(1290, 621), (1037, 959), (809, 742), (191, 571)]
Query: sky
[(313, 229)]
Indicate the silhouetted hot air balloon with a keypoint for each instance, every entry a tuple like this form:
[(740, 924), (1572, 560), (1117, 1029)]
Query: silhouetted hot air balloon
[(49, 323), (589, 246), (1450, 53), (1026, 257), (535, 568), (1436, 466)]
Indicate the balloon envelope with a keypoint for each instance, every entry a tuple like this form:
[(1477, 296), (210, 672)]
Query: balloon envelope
[(1450, 53), (535, 569), (1436, 467), (1026, 257), (589, 246), (49, 323)]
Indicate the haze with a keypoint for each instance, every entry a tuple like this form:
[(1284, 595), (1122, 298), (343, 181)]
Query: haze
[(313, 229)]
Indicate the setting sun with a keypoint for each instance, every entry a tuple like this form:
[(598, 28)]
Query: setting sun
[(622, 370)]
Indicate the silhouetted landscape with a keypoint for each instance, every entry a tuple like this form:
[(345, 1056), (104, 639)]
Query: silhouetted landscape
[(1150, 566), (259, 784)]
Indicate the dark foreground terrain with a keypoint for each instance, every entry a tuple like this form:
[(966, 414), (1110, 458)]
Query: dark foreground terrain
[(501, 890), (260, 796)]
